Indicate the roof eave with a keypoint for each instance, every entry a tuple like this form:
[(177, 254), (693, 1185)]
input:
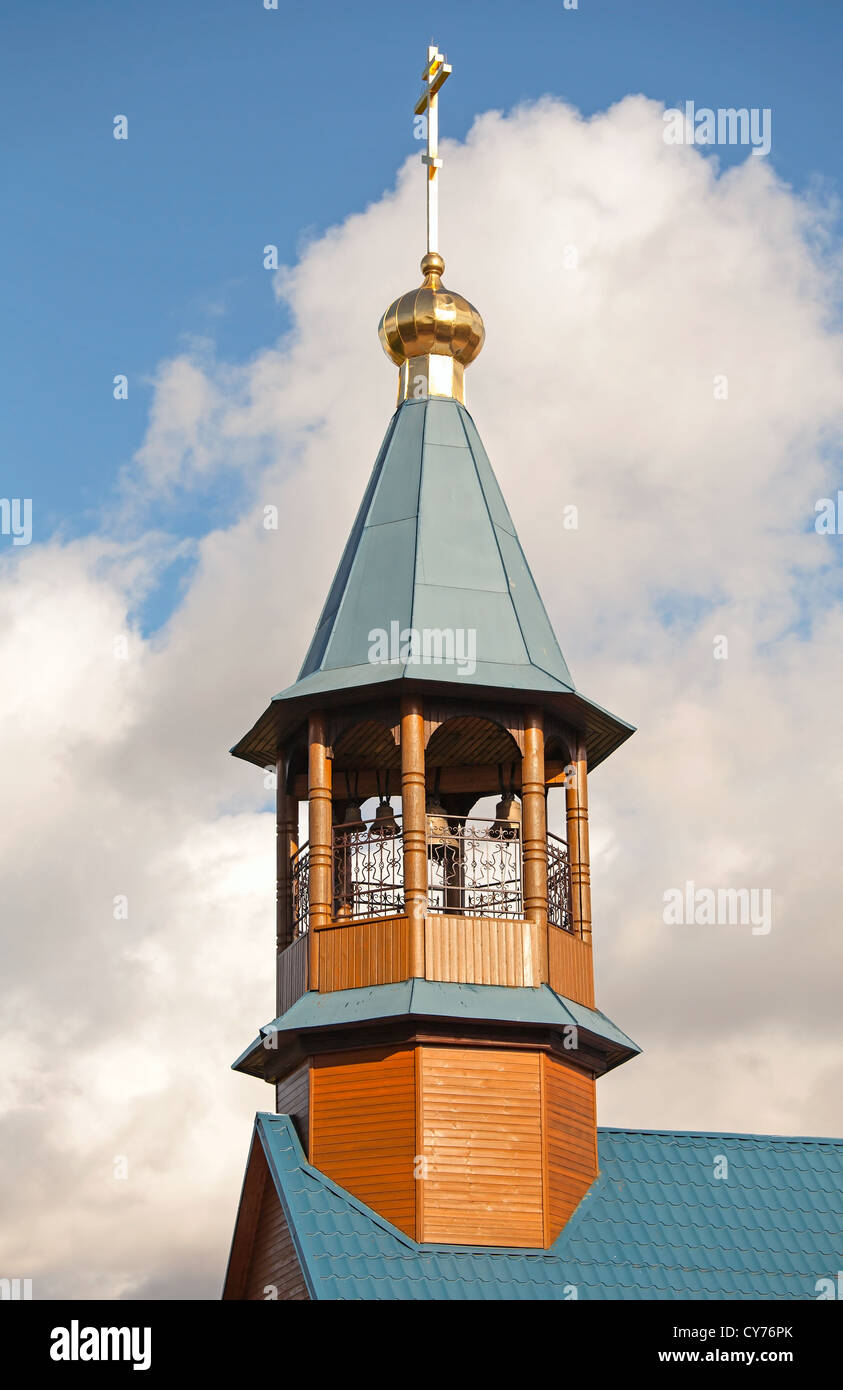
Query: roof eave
[(604, 732)]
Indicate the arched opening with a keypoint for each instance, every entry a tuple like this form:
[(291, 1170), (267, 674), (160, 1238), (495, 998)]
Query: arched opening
[(474, 842), (367, 866)]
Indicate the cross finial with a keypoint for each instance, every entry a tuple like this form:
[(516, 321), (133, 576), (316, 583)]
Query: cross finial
[(433, 76)]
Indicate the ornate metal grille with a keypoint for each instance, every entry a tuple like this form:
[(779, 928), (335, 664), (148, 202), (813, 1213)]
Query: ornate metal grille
[(558, 884), (301, 891), (368, 874), (471, 871)]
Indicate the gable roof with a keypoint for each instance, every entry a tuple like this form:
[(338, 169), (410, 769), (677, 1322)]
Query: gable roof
[(656, 1224), (433, 548)]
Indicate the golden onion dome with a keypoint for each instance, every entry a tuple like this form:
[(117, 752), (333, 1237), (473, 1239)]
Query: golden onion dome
[(429, 324)]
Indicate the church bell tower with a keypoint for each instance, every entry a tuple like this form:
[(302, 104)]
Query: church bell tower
[(436, 1042)]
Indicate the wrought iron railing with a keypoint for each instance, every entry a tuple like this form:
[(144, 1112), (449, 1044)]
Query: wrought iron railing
[(301, 891), (368, 870), (558, 884), (474, 867)]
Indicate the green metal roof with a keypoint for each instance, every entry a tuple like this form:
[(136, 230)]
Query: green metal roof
[(433, 546), (541, 1007), (433, 549), (655, 1224)]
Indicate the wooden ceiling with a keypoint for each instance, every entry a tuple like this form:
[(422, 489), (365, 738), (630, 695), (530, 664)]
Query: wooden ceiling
[(470, 739)]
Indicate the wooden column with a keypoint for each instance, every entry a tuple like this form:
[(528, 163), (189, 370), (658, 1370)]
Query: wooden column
[(534, 830), (576, 813), (320, 836), (413, 810), (287, 835)]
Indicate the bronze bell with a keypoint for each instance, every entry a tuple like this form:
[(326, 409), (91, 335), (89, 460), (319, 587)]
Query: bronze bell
[(440, 836), (384, 824), (507, 818), (353, 817)]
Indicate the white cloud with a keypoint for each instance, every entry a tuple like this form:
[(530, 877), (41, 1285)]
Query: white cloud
[(595, 388)]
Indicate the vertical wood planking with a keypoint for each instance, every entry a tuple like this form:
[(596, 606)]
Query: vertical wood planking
[(570, 965), (481, 1136), (364, 953), (292, 974), (482, 950)]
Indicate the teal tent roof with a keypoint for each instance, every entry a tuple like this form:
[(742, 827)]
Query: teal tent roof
[(655, 1224), (433, 546), (435, 999), (433, 549)]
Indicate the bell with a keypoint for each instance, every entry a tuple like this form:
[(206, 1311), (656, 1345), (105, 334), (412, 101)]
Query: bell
[(384, 823), (353, 816), (440, 836), (507, 818)]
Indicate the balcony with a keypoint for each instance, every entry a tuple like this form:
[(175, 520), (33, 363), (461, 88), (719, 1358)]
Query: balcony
[(474, 870)]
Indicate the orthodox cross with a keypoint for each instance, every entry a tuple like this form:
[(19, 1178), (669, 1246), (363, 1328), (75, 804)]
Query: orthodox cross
[(433, 77)]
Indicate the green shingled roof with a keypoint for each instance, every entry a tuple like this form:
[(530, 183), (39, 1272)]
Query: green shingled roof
[(433, 549), (656, 1224)]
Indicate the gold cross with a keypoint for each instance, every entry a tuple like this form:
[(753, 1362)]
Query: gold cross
[(433, 77)]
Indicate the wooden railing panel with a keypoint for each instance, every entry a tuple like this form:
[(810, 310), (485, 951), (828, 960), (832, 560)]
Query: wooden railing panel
[(570, 966), (482, 950), (292, 974), (376, 952)]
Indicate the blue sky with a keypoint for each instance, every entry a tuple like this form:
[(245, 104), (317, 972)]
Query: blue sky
[(249, 126)]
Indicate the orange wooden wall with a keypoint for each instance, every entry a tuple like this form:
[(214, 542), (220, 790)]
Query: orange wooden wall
[(472, 950), (480, 1130), (570, 1126), (363, 1128), (507, 1137)]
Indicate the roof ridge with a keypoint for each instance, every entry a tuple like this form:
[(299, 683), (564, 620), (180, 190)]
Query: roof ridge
[(504, 570)]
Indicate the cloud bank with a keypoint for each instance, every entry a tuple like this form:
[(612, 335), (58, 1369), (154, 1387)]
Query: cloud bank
[(622, 281)]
